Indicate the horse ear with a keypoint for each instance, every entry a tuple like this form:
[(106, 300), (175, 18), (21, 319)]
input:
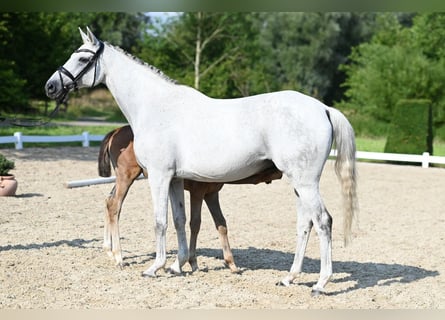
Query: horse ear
[(83, 35), (92, 37)]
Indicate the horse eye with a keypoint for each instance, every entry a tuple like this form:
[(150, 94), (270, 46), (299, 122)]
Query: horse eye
[(83, 59)]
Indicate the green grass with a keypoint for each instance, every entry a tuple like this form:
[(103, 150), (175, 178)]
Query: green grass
[(378, 145), (55, 130), (370, 144)]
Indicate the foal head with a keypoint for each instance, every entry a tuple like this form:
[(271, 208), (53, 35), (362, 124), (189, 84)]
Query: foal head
[(81, 70)]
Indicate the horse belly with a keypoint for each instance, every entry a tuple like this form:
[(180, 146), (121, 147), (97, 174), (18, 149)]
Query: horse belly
[(226, 171)]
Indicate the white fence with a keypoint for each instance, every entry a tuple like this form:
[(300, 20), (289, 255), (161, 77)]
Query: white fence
[(18, 139), (85, 138)]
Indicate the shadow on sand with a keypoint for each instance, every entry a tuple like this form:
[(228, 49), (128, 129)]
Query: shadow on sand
[(363, 274)]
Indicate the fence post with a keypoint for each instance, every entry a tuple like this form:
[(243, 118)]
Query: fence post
[(425, 159), (18, 142), (86, 139)]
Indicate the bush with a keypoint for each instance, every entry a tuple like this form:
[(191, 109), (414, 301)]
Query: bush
[(12, 89), (411, 128), (5, 165)]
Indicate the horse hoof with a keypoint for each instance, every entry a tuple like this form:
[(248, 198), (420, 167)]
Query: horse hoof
[(235, 271), (194, 266), (120, 264), (316, 293), (148, 274), (171, 271), (282, 283)]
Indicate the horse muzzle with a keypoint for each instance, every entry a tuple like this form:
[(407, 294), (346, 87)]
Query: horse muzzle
[(55, 90)]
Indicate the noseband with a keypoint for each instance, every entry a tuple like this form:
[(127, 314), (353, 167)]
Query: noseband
[(66, 88)]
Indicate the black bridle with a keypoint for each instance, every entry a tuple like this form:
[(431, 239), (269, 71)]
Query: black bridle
[(66, 88)]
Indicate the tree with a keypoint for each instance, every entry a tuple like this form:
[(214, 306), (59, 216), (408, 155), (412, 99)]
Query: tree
[(398, 63), (303, 50), (34, 44), (212, 52)]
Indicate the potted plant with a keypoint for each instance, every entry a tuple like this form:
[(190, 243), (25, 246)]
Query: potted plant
[(8, 184)]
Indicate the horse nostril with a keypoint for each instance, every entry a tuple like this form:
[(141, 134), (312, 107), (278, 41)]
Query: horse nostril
[(50, 87)]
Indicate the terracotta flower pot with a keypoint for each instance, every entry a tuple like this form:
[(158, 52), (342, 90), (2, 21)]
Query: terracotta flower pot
[(8, 185)]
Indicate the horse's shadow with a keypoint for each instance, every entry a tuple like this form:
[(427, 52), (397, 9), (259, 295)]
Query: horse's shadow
[(362, 274), (76, 243)]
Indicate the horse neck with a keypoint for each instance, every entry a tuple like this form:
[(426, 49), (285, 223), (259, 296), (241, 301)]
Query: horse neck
[(137, 89)]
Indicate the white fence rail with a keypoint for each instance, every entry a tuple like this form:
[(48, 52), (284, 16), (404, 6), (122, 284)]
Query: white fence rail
[(85, 138), (18, 139), (425, 159)]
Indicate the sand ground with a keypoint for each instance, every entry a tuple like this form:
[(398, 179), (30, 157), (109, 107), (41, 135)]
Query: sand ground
[(51, 252)]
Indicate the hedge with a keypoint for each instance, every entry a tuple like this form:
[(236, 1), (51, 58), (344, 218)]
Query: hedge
[(411, 129)]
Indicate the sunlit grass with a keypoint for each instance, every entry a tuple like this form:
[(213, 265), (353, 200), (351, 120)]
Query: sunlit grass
[(378, 145)]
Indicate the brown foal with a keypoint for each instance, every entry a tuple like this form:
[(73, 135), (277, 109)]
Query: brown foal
[(117, 148)]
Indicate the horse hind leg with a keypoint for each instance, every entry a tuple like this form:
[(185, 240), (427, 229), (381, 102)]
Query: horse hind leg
[(312, 212), (323, 227)]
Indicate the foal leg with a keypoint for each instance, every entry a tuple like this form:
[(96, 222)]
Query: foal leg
[(212, 201), (196, 198), (107, 233), (124, 180), (178, 208)]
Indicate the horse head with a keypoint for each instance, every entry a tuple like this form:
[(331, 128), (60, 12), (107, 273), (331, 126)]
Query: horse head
[(81, 70)]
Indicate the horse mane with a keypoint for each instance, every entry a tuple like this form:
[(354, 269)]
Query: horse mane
[(145, 64)]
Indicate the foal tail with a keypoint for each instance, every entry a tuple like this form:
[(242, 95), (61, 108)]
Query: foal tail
[(103, 161), (345, 167)]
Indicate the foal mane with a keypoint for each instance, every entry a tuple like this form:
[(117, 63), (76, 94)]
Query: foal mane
[(143, 63)]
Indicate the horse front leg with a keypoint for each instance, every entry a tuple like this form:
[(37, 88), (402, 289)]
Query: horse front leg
[(159, 185), (177, 201), (212, 201)]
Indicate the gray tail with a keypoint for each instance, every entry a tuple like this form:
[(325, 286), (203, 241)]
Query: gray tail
[(345, 168)]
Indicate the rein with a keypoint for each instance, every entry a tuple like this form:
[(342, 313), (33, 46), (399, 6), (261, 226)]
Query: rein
[(29, 122), (73, 85)]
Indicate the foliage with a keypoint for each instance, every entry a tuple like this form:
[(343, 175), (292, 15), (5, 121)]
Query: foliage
[(5, 165), (34, 44), (304, 50), (411, 128), (213, 52), (12, 88), (400, 62), (384, 57), (242, 54)]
